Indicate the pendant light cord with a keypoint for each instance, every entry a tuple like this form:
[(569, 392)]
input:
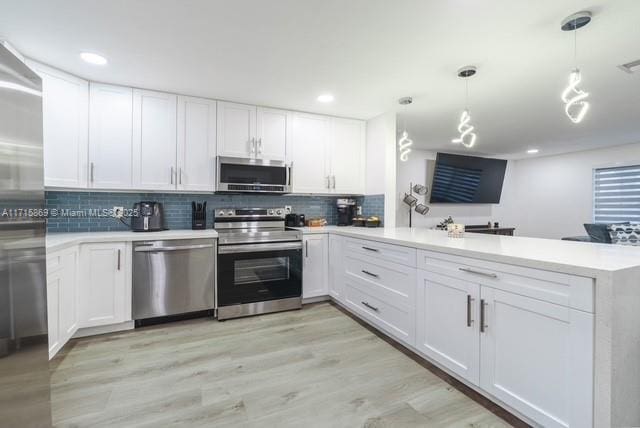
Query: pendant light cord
[(466, 94), (575, 47)]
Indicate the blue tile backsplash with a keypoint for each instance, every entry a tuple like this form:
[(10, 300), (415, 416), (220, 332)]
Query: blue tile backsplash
[(177, 207)]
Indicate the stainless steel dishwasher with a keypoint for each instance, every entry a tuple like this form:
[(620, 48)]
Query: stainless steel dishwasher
[(173, 277)]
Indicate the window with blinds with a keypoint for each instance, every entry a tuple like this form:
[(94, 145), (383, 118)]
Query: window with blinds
[(616, 194)]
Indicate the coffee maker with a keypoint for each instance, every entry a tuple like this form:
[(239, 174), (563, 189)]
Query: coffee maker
[(346, 211)]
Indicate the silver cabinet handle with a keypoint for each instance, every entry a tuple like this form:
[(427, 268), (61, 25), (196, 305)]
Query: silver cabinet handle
[(171, 175), (306, 249), (118, 259), (478, 272), (366, 272), (333, 181), (252, 248), (483, 326), (180, 175), (371, 249), (252, 146), (152, 249), (259, 146), (469, 300), (328, 182), (370, 307), (91, 171)]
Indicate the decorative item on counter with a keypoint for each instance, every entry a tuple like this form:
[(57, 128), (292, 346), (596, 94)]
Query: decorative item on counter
[(444, 223), (422, 209), (496, 225), (455, 230), (359, 221), (316, 222), (372, 221)]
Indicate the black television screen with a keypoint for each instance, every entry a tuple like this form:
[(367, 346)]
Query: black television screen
[(461, 179)]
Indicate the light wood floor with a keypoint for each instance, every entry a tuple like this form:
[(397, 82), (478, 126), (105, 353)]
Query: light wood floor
[(311, 368)]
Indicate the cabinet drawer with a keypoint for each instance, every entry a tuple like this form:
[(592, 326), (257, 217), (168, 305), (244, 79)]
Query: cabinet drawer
[(396, 321), (380, 251), (562, 289), (391, 282)]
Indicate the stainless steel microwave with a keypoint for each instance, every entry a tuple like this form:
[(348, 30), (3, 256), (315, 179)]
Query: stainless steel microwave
[(239, 175)]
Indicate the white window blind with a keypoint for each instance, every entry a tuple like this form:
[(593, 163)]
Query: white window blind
[(616, 194)]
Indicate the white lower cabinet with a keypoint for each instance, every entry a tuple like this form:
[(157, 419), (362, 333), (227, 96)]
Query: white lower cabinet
[(104, 294), (336, 267), (447, 323), (315, 266), (62, 313), (537, 357)]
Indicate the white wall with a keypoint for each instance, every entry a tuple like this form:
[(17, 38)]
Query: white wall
[(416, 170), (381, 162), (551, 197)]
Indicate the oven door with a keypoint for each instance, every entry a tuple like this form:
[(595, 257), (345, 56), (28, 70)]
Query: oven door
[(253, 175), (250, 273)]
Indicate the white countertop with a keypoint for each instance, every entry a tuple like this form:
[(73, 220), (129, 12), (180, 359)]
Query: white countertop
[(579, 258), (58, 241)]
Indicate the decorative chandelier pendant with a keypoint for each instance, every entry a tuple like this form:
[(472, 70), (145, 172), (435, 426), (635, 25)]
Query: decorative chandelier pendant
[(405, 143), (467, 137), (574, 98)]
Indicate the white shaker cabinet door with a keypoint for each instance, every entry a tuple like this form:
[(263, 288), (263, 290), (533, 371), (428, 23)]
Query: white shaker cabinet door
[(196, 144), (65, 113), (154, 140), (273, 130), (447, 323), (336, 267), (236, 130), (537, 357), (104, 295), (54, 285), (348, 156), (315, 268), (310, 143), (110, 137)]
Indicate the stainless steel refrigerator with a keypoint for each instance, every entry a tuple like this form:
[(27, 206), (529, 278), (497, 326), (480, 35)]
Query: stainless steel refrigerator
[(24, 362)]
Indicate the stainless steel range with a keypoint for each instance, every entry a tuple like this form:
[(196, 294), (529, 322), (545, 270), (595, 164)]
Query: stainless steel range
[(259, 262)]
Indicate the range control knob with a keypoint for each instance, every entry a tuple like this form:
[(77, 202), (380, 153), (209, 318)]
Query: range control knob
[(270, 212), (221, 213), (230, 212), (279, 212)]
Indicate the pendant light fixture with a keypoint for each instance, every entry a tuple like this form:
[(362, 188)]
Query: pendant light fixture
[(467, 137), (404, 143), (574, 98)]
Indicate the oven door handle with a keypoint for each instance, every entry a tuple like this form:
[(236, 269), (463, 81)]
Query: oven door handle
[(254, 248), (152, 249)]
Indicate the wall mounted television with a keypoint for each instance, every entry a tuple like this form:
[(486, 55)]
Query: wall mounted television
[(459, 179)]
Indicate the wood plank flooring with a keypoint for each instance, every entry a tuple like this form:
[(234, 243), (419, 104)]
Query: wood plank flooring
[(311, 368)]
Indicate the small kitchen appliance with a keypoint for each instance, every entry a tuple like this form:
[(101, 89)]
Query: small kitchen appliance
[(346, 211), (294, 220), (198, 215), (237, 175), (149, 218)]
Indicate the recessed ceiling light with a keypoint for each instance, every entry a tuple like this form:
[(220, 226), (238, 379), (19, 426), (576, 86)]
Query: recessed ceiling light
[(532, 151), (93, 58), (325, 98)]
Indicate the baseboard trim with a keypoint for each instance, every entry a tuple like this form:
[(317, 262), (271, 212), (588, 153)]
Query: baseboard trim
[(315, 299), (104, 329)]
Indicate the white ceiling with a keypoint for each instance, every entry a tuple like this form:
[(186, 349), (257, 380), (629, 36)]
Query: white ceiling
[(368, 53)]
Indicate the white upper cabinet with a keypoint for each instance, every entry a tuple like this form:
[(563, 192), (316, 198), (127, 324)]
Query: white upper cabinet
[(196, 144), (348, 156), (273, 130), (110, 137), (310, 143), (65, 105), (236, 130), (154, 140)]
